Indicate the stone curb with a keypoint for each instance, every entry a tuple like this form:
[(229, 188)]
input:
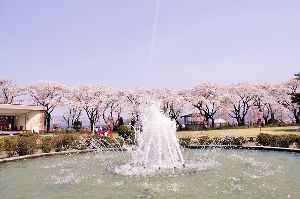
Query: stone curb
[(267, 148), (11, 159)]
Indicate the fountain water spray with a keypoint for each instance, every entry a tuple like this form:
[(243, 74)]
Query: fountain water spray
[(157, 145)]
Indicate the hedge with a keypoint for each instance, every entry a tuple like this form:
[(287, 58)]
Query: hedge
[(278, 140)]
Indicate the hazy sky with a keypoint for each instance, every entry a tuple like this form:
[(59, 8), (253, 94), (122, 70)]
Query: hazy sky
[(109, 41)]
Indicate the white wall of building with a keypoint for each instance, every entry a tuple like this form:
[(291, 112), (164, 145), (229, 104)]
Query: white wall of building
[(20, 121), (33, 119)]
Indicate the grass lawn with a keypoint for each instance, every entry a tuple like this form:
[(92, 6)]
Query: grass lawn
[(248, 132)]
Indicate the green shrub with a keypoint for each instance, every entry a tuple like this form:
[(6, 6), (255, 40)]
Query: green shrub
[(95, 141), (125, 132), (203, 140), (59, 131), (1, 144), (239, 140), (27, 134), (184, 141), (215, 141), (228, 140), (284, 140), (77, 125), (63, 142), (278, 140), (84, 131), (42, 132), (297, 141), (47, 144), (105, 141), (10, 145), (80, 145), (265, 139), (71, 131), (26, 145)]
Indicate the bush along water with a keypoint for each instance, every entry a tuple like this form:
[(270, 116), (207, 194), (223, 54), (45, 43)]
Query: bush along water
[(228, 140), (100, 142), (20, 145), (284, 141), (30, 143), (205, 140), (126, 133), (64, 142), (1, 144), (47, 144), (26, 145), (184, 141), (10, 145)]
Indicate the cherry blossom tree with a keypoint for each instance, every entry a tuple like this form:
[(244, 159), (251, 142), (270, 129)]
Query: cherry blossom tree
[(172, 102), (9, 91), (47, 94), (73, 110), (114, 107), (135, 97), (292, 87), (206, 98), (91, 98), (241, 100), (296, 95), (266, 99), (225, 105), (279, 94)]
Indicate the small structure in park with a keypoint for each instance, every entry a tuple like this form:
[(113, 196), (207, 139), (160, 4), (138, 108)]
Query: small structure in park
[(220, 122), (194, 121), (16, 119)]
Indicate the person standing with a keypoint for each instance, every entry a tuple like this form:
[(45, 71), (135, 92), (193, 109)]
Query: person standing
[(110, 127)]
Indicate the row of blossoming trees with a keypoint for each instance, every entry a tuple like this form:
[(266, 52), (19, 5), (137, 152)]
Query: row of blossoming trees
[(238, 102)]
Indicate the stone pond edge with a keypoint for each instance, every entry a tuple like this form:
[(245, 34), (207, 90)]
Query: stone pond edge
[(267, 148), (16, 158)]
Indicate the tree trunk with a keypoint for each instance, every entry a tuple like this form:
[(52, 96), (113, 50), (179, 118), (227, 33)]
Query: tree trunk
[(297, 116), (206, 118), (297, 120), (68, 123), (48, 120), (177, 122), (212, 122), (238, 119), (241, 122), (92, 125), (266, 120)]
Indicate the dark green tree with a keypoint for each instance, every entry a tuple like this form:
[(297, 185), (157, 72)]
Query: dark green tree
[(296, 100), (296, 96)]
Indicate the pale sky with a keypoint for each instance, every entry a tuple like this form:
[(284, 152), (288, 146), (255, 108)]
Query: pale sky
[(109, 41)]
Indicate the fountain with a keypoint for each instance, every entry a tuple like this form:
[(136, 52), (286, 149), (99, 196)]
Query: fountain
[(157, 146)]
